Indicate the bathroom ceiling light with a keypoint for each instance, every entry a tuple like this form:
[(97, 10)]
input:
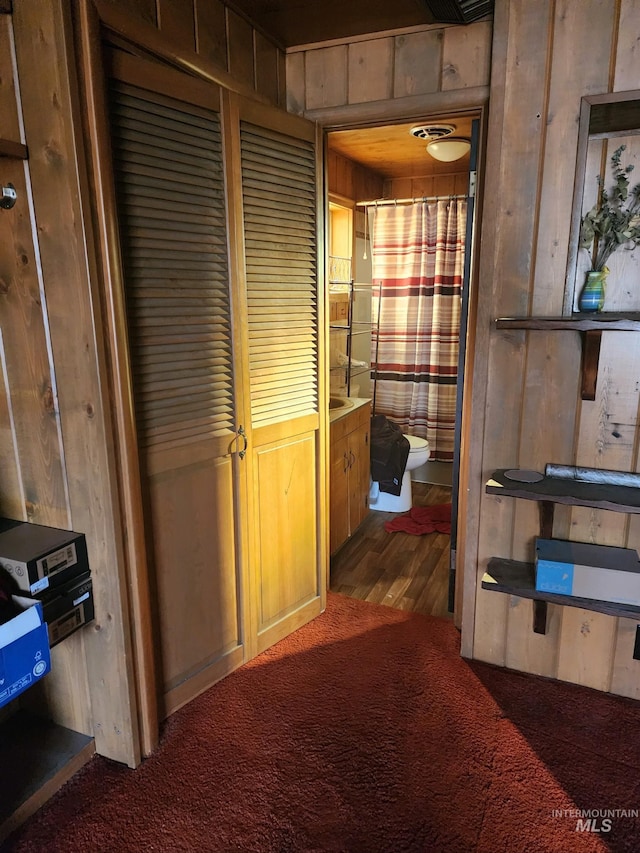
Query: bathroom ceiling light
[(449, 148)]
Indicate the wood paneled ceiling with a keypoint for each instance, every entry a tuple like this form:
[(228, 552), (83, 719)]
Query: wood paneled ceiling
[(392, 152), (296, 22)]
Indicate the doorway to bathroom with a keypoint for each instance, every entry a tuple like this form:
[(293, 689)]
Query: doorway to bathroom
[(367, 167)]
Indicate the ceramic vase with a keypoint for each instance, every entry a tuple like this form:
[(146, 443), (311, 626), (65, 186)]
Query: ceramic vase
[(591, 298)]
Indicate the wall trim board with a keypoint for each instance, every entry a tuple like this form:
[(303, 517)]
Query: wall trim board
[(401, 109)]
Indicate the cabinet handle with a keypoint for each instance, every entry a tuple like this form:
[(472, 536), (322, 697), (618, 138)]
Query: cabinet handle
[(242, 434), (346, 464), (352, 458)]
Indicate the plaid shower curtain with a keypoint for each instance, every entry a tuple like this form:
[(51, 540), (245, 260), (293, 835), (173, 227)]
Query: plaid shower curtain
[(418, 265)]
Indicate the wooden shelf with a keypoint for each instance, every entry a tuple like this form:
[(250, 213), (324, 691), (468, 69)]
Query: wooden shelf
[(612, 322), (38, 757), (572, 492), (591, 326), (518, 578)]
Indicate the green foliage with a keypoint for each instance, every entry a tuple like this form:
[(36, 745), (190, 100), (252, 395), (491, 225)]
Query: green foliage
[(614, 221)]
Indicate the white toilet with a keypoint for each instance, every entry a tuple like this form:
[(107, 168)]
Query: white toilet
[(418, 454)]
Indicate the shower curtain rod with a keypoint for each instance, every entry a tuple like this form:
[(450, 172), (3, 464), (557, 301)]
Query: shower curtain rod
[(382, 201)]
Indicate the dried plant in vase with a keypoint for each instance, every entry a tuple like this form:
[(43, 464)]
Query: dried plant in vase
[(612, 223)]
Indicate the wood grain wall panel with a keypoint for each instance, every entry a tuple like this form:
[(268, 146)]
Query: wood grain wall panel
[(417, 63), (29, 371), (404, 187), (466, 55), (211, 31), (370, 70), (589, 23), (370, 186), (326, 77), (521, 130), (267, 68), (525, 650), (628, 48), (295, 82), (426, 186), (95, 661), (8, 104), (607, 439), (625, 670), (12, 504), (282, 80), (214, 30), (340, 175), (241, 57), (352, 180), (586, 648), (546, 352), (176, 19), (145, 10)]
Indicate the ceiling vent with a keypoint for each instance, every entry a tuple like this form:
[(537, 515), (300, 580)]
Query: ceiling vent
[(459, 11), (431, 131)]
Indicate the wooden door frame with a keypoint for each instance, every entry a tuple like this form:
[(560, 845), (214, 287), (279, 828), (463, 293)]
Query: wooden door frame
[(473, 101), (93, 87)]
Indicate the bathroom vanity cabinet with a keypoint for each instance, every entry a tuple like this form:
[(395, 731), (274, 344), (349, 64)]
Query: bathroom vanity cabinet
[(349, 466)]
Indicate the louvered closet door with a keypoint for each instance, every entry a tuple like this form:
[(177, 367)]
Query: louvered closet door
[(279, 216), (168, 165)]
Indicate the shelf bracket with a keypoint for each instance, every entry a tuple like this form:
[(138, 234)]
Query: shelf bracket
[(590, 357), (539, 616), (546, 509)]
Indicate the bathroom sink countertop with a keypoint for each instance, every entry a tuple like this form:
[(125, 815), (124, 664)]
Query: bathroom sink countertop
[(343, 410)]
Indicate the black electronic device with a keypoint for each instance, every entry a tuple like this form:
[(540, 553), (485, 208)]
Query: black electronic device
[(39, 557), (68, 607)]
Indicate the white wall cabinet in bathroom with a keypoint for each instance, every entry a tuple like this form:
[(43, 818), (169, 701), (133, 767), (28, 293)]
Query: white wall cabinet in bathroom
[(349, 466)]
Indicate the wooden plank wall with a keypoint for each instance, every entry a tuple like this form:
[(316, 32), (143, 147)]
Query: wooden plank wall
[(57, 464), (546, 57), (56, 439), (402, 69), (455, 183), (219, 34), (351, 180)]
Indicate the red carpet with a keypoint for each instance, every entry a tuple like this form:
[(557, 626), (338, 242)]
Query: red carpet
[(422, 519), (364, 733)]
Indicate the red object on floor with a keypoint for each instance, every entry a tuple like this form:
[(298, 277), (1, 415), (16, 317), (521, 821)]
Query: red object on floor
[(422, 519)]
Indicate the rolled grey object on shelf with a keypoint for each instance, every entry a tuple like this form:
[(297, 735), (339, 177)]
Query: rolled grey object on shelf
[(592, 475)]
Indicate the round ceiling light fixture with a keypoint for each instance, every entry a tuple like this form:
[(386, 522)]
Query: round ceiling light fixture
[(450, 148), (441, 145)]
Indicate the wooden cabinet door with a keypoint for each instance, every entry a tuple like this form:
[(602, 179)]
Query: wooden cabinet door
[(339, 515), (170, 189), (275, 211), (359, 474)]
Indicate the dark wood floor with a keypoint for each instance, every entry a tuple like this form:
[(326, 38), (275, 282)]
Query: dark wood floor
[(398, 569)]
